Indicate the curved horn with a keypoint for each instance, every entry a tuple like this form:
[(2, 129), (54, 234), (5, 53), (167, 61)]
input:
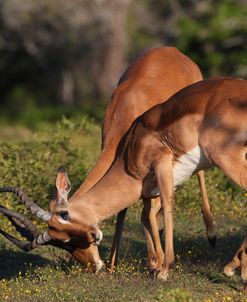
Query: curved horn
[(21, 223), (41, 239), (33, 207), (21, 244), (28, 245)]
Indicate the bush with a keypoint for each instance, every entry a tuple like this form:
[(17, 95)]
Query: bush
[(32, 164)]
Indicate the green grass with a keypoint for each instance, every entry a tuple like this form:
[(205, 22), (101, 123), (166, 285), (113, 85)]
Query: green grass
[(48, 274)]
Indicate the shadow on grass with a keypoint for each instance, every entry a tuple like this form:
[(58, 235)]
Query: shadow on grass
[(197, 249), (193, 252), (13, 262)]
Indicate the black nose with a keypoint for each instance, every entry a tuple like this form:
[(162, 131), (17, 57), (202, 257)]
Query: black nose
[(96, 236)]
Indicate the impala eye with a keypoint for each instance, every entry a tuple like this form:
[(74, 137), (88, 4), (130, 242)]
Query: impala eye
[(64, 215)]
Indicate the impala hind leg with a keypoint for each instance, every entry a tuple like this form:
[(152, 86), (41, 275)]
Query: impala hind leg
[(244, 264), (151, 229), (206, 210), (234, 165), (239, 260), (229, 269), (116, 239)]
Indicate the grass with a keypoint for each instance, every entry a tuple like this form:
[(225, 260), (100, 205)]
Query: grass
[(48, 274)]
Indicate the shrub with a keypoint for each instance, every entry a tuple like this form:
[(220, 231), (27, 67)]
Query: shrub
[(32, 164)]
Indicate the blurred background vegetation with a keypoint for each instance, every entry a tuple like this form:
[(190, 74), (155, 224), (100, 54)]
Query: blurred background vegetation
[(66, 57)]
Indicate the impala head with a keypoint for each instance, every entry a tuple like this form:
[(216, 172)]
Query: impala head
[(64, 227), (71, 221)]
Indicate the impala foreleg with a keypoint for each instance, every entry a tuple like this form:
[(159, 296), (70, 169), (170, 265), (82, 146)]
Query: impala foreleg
[(149, 220), (206, 211), (117, 238), (164, 176), (151, 253)]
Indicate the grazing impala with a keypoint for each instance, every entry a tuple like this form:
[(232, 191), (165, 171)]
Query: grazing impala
[(201, 126), (152, 78)]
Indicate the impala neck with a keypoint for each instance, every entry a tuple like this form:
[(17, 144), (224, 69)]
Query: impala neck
[(105, 159), (114, 192)]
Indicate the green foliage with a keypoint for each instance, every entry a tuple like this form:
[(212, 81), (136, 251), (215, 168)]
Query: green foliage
[(214, 35), (22, 109), (175, 295), (32, 164), (73, 55)]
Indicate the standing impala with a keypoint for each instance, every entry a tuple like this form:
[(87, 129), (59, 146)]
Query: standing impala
[(201, 126), (152, 78)]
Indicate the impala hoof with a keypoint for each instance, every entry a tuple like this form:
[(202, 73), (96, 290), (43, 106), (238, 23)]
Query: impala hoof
[(228, 271), (163, 276), (152, 264), (212, 241), (154, 272)]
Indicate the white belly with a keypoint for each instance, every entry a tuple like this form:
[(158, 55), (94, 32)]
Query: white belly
[(187, 165)]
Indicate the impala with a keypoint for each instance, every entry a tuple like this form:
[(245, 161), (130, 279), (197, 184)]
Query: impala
[(151, 79), (202, 126)]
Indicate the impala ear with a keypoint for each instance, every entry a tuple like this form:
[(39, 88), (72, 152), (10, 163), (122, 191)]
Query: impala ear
[(63, 187)]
